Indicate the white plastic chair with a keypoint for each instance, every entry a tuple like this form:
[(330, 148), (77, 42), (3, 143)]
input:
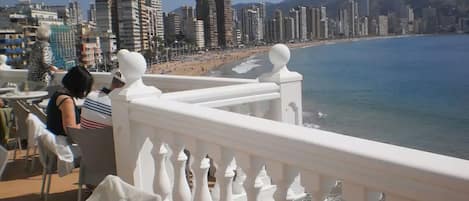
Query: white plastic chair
[(3, 160), (55, 156), (35, 127), (112, 188), (98, 155)]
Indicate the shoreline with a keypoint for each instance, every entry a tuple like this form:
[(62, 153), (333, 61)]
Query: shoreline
[(201, 64)]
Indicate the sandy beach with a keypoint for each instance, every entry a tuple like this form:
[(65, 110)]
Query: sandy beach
[(199, 64)]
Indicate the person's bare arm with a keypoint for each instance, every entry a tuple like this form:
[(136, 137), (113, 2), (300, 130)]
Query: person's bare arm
[(68, 112)]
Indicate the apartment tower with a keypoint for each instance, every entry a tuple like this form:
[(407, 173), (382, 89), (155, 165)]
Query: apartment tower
[(207, 11), (225, 23)]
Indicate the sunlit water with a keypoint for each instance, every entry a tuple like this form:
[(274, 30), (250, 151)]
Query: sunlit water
[(412, 92)]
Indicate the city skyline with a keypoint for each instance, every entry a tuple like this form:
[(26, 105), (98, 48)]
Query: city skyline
[(142, 26), (167, 5)]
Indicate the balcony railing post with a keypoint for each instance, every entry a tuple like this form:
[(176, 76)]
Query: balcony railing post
[(132, 66), (289, 108)]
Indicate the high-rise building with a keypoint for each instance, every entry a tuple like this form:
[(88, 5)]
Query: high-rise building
[(63, 45), (187, 21), (464, 25), (289, 29), (199, 33), (155, 15), (383, 25), (74, 12), (144, 20), (429, 20), (270, 31), (302, 23), (324, 23), (278, 26), (363, 26), (92, 13), (107, 27), (364, 7), (393, 23), (343, 25), (207, 11), (351, 18), (172, 25), (89, 51), (129, 25), (13, 46), (295, 14), (251, 22), (313, 22), (62, 12), (225, 23)]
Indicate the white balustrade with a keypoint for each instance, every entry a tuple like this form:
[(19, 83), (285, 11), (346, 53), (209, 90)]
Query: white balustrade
[(166, 83), (327, 165)]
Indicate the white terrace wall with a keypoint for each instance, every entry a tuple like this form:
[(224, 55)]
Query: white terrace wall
[(167, 83), (152, 130)]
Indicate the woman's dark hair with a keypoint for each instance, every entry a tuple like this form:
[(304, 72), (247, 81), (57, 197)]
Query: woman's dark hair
[(78, 81)]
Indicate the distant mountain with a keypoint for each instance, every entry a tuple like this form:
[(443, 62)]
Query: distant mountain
[(286, 5), (381, 6)]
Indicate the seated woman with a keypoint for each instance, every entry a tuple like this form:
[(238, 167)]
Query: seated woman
[(62, 111)]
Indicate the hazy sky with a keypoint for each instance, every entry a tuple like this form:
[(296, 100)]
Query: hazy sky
[(168, 5)]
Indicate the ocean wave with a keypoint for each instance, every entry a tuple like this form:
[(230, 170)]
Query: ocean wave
[(247, 66)]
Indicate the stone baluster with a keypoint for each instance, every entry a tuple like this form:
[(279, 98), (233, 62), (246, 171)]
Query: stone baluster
[(251, 165), (258, 109), (235, 109), (312, 184), (283, 176), (201, 166), (162, 182), (181, 191), (132, 66), (225, 174), (354, 192), (238, 181), (288, 108)]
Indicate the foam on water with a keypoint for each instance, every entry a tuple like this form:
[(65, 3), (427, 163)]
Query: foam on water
[(247, 66)]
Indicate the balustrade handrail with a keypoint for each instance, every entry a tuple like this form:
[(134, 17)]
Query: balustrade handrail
[(413, 174), (227, 95), (164, 82)]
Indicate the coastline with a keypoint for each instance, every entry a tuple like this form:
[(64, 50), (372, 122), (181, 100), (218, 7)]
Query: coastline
[(200, 64)]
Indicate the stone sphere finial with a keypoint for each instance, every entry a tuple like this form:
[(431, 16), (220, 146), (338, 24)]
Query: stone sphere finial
[(279, 56), (132, 65)]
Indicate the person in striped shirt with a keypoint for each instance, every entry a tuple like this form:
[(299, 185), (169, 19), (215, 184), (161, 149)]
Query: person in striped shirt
[(96, 111)]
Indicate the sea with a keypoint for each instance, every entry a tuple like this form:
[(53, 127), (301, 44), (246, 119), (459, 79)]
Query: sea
[(408, 91)]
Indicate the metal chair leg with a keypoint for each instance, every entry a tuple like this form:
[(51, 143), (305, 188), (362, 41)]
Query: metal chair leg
[(44, 177), (80, 182), (19, 143), (80, 191), (33, 160), (48, 187), (14, 151), (26, 159)]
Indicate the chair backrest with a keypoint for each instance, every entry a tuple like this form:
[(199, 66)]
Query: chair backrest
[(3, 160), (113, 188), (5, 124), (35, 127), (36, 110), (98, 155), (21, 113), (47, 156)]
